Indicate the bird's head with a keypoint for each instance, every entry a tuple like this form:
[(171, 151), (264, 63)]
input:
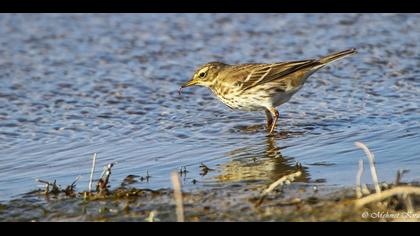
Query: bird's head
[(205, 75)]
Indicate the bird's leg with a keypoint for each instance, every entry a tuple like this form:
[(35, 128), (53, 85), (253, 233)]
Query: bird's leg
[(275, 114), (269, 118)]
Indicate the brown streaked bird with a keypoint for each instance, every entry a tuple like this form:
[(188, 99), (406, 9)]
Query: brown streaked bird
[(257, 86)]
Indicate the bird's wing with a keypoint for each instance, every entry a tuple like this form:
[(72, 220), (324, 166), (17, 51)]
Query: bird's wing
[(264, 73)]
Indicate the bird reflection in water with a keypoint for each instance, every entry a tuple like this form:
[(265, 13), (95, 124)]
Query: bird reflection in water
[(260, 162)]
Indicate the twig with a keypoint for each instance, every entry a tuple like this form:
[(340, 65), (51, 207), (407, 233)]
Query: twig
[(47, 185), (55, 189), (91, 172), (386, 194), (281, 181), (371, 159), (75, 180), (285, 179), (399, 176), (359, 175), (204, 169), (178, 196), (42, 181), (102, 184), (70, 189)]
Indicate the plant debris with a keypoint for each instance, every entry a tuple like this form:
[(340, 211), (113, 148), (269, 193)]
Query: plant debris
[(204, 169), (102, 185)]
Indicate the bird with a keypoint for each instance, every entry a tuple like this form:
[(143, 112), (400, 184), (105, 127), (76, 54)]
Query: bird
[(260, 87)]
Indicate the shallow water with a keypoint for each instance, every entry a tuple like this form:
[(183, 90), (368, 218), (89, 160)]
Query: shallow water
[(75, 84)]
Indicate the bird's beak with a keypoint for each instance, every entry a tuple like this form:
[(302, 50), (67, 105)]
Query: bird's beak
[(187, 84)]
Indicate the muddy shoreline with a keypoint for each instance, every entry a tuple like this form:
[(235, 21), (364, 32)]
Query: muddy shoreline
[(234, 202)]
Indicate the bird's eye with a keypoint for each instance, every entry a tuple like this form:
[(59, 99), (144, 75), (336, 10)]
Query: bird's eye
[(202, 74)]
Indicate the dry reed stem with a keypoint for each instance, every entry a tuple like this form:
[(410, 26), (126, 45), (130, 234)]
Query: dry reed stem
[(178, 196), (285, 179), (409, 203), (281, 181), (371, 159), (359, 193), (400, 190), (91, 172)]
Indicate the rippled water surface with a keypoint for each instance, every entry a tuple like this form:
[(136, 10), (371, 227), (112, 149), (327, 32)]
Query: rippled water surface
[(72, 85)]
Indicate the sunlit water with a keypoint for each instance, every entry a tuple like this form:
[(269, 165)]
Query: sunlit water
[(72, 85)]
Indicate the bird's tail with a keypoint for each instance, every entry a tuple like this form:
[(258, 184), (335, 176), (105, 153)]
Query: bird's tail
[(336, 56)]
